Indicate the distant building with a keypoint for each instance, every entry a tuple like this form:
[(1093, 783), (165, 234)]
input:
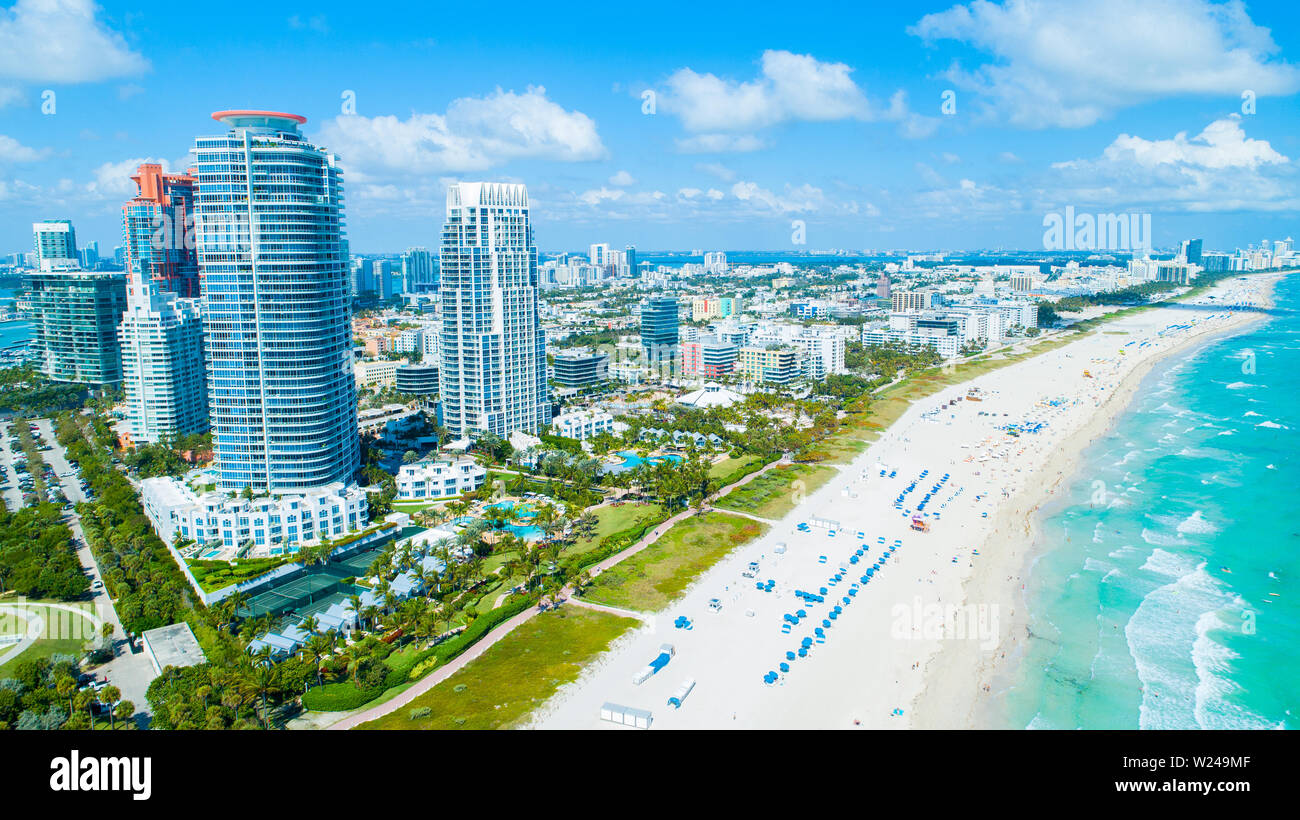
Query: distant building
[(56, 245), (76, 314), (155, 225), (419, 271), (768, 365), (417, 379), (709, 357), (912, 300), (660, 329), (380, 371), (580, 368), (882, 286)]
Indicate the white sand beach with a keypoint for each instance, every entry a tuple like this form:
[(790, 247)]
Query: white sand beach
[(891, 648)]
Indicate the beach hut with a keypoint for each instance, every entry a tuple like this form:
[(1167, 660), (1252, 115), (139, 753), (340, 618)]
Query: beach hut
[(626, 715)]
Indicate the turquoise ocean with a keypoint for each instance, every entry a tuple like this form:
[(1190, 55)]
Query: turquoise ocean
[(1167, 594)]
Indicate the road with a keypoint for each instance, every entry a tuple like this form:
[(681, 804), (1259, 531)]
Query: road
[(129, 672), (13, 496)]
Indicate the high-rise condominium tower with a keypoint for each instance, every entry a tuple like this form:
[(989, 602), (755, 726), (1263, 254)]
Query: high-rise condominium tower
[(161, 334), (419, 271), (157, 225), (56, 245), (282, 396), (493, 375)]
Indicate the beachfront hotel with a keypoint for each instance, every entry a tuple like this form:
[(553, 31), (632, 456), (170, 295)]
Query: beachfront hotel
[(493, 347)]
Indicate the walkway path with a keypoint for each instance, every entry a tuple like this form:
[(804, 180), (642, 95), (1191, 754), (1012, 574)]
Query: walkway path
[(441, 674)]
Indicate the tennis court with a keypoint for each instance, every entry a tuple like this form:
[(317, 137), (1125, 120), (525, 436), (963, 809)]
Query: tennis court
[(292, 594)]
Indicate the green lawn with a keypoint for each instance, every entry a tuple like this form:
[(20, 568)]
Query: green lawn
[(772, 494), (516, 675), (731, 464), (652, 578), (616, 519), (45, 647)]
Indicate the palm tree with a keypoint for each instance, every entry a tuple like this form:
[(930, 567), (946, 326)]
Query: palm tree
[(264, 681), (110, 695)]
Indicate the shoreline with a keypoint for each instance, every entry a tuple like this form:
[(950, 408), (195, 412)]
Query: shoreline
[(1021, 519), (981, 465)]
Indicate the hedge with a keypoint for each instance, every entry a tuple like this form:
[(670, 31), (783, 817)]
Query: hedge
[(611, 544)]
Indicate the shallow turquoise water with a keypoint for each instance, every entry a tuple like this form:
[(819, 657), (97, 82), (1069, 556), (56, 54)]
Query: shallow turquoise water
[(1153, 606)]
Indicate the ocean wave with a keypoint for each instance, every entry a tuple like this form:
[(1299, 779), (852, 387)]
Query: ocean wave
[(1196, 524), (1239, 385), (1212, 661), (1250, 413), (1272, 425), (1168, 563)]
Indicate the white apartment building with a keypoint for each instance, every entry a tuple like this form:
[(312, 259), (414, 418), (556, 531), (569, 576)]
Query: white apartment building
[(493, 347), (439, 478), (583, 424), (379, 371), (163, 375), (219, 519)]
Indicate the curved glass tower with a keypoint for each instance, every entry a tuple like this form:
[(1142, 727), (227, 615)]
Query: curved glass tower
[(273, 261)]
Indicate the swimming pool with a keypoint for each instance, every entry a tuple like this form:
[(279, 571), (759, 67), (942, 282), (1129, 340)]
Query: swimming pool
[(631, 461), (526, 532)]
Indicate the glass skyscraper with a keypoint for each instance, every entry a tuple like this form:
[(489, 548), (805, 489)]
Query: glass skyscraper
[(659, 329), (493, 376), (269, 216)]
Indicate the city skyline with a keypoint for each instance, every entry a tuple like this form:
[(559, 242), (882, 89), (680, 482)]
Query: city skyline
[(953, 126)]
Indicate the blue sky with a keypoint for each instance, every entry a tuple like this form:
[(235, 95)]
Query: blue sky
[(764, 114)]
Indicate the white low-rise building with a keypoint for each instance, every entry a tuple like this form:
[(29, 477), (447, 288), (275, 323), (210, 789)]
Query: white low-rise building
[(583, 424), (219, 519), (439, 478)]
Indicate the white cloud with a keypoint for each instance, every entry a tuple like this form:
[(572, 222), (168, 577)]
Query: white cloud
[(11, 150), (1218, 170), (799, 199), (790, 87), (1223, 144), (719, 144), (622, 179), (716, 169), (475, 134), (1057, 63), (60, 41)]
